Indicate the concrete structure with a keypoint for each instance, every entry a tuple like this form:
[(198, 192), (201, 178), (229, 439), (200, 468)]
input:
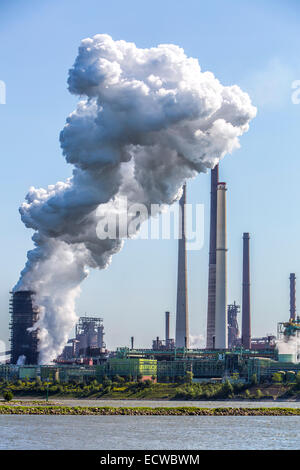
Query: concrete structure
[(182, 321), (292, 296), (246, 315), (221, 328), (211, 305), (24, 344)]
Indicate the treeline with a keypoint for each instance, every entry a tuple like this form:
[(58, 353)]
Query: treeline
[(281, 385)]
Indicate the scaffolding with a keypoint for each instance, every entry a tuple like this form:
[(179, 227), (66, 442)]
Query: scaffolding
[(24, 342)]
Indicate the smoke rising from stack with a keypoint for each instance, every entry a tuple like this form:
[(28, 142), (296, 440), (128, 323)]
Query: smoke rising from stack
[(147, 120)]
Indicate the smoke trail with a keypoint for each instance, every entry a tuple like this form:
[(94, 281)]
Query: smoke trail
[(289, 345), (148, 119)]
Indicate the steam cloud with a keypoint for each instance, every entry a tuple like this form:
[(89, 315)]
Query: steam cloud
[(147, 120)]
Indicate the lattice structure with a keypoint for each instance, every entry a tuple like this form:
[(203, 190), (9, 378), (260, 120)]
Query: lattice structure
[(24, 343)]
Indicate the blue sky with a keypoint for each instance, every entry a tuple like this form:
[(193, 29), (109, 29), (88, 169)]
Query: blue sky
[(254, 44)]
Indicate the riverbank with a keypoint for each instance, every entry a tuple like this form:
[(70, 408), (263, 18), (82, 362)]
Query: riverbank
[(145, 411), (152, 391)]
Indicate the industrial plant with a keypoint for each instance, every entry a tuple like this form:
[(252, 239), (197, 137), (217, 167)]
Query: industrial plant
[(230, 347)]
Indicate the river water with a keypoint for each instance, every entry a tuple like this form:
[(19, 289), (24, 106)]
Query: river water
[(149, 432), (152, 432)]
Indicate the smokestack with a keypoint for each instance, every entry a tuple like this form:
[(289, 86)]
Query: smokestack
[(132, 341), (211, 305), (292, 296), (113, 125), (221, 328), (167, 328), (246, 317), (182, 321)]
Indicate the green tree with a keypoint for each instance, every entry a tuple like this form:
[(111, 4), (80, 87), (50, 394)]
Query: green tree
[(227, 389), (8, 395), (188, 378), (277, 377)]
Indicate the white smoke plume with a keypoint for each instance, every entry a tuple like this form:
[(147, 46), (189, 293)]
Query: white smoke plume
[(197, 341), (147, 120), (289, 345)]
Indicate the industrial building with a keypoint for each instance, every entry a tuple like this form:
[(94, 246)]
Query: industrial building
[(88, 341), (227, 351), (233, 326), (24, 343)]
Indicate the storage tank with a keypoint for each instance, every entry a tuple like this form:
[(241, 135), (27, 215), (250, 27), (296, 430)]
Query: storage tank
[(287, 357)]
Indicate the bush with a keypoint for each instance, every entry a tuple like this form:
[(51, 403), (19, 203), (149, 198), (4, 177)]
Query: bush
[(227, 389), (277, 377), (259, 394), (118, 379), (147, 383), (107, 382), (8, 395)]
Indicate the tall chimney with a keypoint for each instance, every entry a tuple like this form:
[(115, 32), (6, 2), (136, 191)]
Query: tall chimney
[(211, 305), (221, 328), (182, 321), (167, 328), (246, 314), (292, 297), (132, 341)]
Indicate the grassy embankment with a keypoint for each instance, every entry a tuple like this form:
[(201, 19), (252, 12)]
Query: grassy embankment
[(153, 391), (144, 411)]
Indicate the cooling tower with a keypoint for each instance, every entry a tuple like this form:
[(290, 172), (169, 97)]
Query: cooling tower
[(211, 305), (24, 344), (182, 321), (221, 328), (246, 314), (292, 297)]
